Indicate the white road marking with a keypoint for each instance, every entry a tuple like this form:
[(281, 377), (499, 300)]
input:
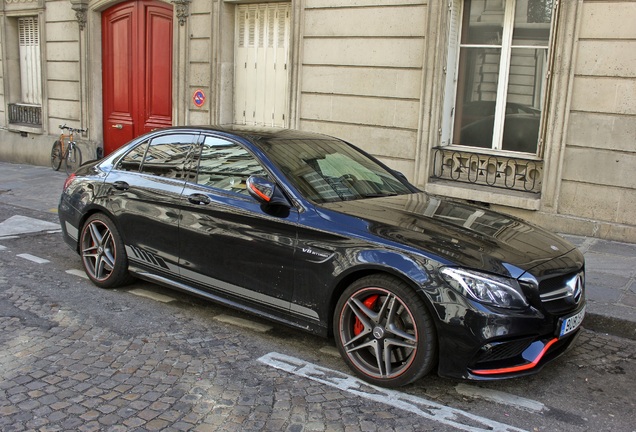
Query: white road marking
[(424, 408), (500, 398), (75, 272), (240, 322), (33, 258), (3, 247), (17, 224), (151, 295)]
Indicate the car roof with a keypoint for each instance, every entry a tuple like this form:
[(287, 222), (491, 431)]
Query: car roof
[(256, 133)]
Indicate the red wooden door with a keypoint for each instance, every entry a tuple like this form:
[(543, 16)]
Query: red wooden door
[(137, 70)]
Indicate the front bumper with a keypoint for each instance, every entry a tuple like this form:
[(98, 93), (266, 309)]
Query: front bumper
[(479, 343)]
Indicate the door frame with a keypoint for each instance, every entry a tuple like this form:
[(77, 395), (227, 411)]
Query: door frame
[(223, 35), (91, 71)]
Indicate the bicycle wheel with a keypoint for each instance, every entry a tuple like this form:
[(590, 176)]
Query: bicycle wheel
[(56, 155), (73, 158)]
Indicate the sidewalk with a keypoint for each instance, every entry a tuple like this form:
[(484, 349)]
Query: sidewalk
[(610, 265)]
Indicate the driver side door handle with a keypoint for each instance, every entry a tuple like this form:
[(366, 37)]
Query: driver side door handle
[(199, 199), (121, 185)]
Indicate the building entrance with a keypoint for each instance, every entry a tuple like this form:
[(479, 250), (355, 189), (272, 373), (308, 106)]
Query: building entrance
[(137, 70)]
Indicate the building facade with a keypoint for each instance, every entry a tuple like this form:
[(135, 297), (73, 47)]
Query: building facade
[(526, 106)]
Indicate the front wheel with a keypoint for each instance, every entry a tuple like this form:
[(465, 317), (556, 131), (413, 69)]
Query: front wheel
[(73, 159), (103, 254), (384, 331), (56, 155)]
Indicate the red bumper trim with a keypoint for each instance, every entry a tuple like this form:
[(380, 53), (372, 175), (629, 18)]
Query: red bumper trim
[(519, 368)]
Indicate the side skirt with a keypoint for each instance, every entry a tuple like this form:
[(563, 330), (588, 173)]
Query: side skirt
[(312, 327)]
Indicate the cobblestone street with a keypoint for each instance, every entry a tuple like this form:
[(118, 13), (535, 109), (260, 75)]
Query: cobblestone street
[(146, 365), (76, 357)]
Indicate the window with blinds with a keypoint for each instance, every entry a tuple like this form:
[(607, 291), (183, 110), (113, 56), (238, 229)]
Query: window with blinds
[(261, 64), (30, 69)]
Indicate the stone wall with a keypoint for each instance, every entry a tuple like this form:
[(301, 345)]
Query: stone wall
[(599, 172), (361, 74)]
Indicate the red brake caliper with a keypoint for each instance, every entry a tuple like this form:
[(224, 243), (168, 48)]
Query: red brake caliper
[(357, 325)]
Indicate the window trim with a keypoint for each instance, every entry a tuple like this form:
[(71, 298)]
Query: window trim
[(566, 26), (11, 68), (506, 47), (29, 50)]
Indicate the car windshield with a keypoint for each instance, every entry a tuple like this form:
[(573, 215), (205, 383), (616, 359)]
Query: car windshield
[(328, 170)]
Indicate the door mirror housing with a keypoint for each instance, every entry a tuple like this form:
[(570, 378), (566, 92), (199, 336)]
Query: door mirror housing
[(266, 192)]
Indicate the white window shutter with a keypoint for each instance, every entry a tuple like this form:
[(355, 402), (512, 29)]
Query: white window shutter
[(261, 87), (30, 66), (448, 110)]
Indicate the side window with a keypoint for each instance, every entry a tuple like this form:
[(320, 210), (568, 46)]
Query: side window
[(167, 155), (226, 165), (132, 160)]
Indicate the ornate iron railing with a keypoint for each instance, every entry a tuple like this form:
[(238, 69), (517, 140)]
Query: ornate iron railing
[(25, 114), (504, 172)]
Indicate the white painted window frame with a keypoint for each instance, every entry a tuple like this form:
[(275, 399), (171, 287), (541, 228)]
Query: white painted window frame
[(456, 11)]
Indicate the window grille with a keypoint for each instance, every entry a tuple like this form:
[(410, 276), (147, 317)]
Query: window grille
[(25, 114), (485, 169)]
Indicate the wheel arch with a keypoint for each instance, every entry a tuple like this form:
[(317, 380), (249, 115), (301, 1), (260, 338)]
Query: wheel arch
[(362, 272), (90, 211)]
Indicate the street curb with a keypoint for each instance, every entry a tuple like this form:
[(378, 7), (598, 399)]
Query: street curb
[(611, 325)]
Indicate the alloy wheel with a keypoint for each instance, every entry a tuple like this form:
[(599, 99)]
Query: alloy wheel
[(99, 251)]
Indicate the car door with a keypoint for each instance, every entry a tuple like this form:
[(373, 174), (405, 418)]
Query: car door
[(229, 244), (144, 190)]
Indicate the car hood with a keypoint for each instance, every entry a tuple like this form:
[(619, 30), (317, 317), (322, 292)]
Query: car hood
[(452, 232)]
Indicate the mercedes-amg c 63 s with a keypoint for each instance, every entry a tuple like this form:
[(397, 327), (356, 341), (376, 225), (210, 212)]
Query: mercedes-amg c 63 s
[(310, 231)]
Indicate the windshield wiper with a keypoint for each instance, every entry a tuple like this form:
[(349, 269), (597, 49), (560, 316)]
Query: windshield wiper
[(379, 195)]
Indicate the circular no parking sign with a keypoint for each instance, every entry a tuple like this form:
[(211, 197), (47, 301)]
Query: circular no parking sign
[(199, 98)]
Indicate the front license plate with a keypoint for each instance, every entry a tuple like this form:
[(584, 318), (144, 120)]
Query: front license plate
[(568, 325)]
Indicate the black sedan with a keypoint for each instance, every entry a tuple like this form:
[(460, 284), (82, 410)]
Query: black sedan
[(310, 231)]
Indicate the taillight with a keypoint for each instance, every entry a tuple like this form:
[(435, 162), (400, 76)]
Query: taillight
[(68, 181)]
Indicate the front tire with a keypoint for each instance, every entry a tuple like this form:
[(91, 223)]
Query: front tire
[(103, 254), (384, 332)]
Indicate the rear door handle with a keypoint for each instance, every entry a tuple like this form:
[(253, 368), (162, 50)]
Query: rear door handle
[(199, 199), (121, 185)]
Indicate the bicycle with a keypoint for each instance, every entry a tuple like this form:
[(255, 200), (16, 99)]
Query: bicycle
[(71, 154)]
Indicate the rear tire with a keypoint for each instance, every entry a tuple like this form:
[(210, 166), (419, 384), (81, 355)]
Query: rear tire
[(73, 159), (384, 331), (103, 254), (56, 155)]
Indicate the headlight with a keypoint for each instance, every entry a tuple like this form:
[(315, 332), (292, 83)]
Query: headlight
[(485, 288)]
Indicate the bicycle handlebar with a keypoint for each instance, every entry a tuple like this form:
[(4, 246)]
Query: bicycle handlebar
[(71, 129)]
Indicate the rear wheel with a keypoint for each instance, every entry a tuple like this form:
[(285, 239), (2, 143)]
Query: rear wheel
[(73, 159), (56, 155), (384, 331), (103, 254)]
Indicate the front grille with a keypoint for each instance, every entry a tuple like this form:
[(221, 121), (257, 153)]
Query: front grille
[(562, 293), (503, 350)]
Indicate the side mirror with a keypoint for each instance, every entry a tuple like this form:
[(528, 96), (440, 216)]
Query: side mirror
[(266, 192)]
